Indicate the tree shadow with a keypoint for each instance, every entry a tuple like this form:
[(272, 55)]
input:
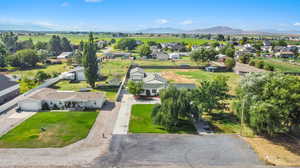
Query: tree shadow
[(222, 118), (289, 142)]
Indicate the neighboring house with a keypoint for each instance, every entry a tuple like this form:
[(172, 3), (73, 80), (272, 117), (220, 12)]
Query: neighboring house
[(102, 43), (266, 48), (285, 54), (152, 82), (77, 74), (267, 43), (9, 89), (221, 57), (65, 55), (112, 55), (173, 46), (115, 82), (160, 55), (174, 56), (50, 99)]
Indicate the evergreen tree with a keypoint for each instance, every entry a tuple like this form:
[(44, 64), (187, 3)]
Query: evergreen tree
[(10, 41), (65, 45), (2, 55), (55, 45), (90, 61)]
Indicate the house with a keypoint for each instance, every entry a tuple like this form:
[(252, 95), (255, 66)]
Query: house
[(77, 74), (160, 55), (9, 89), (266, 48), (174, 56), (114, 82), (152, 82), (137, 74), (102, 43), (287, 54), (50, 99), (65, 55), (221, 57), (267, 43), (173, 46)]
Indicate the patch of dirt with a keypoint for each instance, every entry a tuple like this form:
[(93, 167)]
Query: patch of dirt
[(280, 151), (172, 76)]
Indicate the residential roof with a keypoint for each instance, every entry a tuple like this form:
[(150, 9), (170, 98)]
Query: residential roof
[(6, 82), (52, 94), (65, 54), (153, 78), (185, 85), (137, 69)]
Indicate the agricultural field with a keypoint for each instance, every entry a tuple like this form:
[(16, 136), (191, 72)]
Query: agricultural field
[(141, 122), (59, 129), (190, 41), (50, 69)]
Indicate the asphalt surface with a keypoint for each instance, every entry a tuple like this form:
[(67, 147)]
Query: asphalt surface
[(153, 150)]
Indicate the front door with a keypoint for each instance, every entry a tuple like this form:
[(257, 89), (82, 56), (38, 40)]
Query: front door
[(148, 93)]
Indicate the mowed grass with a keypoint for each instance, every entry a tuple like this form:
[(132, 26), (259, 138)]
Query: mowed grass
[(141, 122), (282, 66), (165, 63), (61, 129), (65, 85), (50, 69)]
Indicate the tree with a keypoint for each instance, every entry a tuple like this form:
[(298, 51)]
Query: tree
[(144, 50), (229, 63), (65, 45), (135, 88), (78, 58), (23, 58), (90, 62), (269, 102), (41, 45), (9, 40), (211, 94), (220, 37), (126, 44), (81, 45), (245, 58), (41, 76), (175, 105), (2, 55), (203, 55), (26, 44), (230, 52), (54, 45), (27, 84)]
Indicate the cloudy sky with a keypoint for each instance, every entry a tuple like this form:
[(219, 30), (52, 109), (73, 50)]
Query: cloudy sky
[(131, 15)]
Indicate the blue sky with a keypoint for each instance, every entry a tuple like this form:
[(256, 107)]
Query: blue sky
[(130, 15)]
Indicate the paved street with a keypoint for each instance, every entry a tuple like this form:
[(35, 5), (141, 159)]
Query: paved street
[(156, 150)]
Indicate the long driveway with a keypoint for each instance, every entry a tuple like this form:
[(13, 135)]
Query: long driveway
[(80, 154)]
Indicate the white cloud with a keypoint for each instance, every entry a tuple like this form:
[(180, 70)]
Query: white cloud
[(187, 22), (162, 21), (297, 24), (65, 4), (93, 1)]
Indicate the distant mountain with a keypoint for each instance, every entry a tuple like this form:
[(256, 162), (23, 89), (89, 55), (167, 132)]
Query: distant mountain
[(27, 27), (218, 30), (161, 30)]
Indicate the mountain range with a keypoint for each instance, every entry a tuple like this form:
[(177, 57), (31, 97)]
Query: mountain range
[(210, 30)]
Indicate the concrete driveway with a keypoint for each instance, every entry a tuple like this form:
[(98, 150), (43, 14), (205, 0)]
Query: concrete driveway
[(157, 150)]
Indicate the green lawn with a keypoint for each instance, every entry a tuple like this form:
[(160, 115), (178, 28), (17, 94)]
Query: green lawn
[(50, 69), (140, 122), (165, 63), (65, 85), (61, 129), (282, 66)]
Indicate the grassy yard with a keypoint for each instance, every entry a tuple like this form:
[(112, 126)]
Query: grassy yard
[(67, 86), (165, 63), (50, 69), (115, 67), (282, 66), (61, 129), (141, 122)]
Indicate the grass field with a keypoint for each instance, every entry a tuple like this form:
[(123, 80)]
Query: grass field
[(116, 67), (164, 63), (64, 85), (141, 122), (282, 66), (61, 129), (50, 69)]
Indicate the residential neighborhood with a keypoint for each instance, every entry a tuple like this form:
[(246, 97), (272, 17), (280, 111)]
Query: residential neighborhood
[(112, 84)]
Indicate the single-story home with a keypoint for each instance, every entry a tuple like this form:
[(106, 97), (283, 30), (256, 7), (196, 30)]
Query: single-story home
[(51, 99), (174, 56), (65, 55), (152, 82), (9, 88), (221, 57), (287, 54)]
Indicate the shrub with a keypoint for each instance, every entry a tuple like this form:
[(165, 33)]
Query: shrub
[(268, 67), (252, 63), (259, 64), (229, 63)]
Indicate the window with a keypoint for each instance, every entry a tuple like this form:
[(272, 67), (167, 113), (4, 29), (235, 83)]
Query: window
[(154, 91)]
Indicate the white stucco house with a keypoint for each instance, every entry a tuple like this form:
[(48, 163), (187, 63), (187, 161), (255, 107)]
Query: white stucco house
[(152, 82), (51, 99)]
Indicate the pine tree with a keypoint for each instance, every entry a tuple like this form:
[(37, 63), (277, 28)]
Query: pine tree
[(90, 61), (65, 45)]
